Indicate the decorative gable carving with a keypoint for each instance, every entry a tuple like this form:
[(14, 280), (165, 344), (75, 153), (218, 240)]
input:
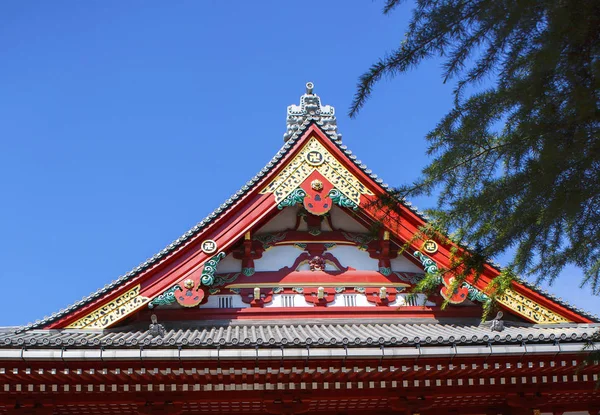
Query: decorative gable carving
[(311, 166), (112, 312), (315, 157)]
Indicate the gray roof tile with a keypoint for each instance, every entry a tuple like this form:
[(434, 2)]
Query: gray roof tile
[(270, 334)]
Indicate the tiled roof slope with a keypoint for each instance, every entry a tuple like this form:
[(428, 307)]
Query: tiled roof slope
[(181, 241), (266, 334)]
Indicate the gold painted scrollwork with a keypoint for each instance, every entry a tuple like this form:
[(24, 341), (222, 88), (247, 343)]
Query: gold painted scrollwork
[(302, 166), (529, 308), (110, 313)]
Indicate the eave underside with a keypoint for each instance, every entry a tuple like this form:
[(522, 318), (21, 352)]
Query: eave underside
[(325, 368), (428, 385)]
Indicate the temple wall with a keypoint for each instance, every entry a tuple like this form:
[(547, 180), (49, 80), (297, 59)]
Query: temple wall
[(342, 221), (402, 264), (351, 256), (230, 264), (284, 220), (276, 258)]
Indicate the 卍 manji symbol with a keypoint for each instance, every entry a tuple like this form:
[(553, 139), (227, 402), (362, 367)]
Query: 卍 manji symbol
[(430, 246), (314, 158), (209, 246)]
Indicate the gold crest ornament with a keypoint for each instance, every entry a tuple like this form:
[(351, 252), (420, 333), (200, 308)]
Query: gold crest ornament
[(315, 158), (430, 246), (209, 246), (316, 185)]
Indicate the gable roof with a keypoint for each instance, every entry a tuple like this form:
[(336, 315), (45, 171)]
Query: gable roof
[(303, 123)]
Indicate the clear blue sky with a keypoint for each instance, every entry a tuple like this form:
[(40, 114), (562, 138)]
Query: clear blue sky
[(123, 124)]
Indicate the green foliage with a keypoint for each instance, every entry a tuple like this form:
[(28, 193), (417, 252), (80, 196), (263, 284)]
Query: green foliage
[(517, 162)]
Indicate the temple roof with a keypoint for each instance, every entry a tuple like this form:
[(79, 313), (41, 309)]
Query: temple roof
[(351, 332), (299, 120)]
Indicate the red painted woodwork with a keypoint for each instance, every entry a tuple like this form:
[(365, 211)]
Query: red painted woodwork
[(570, 391), (190, 292), (32, 409), (287, 405), (317, 200), (411, 404), (300, 313), (293, 278), (373, 296), (247, 295), (311, 296), (160, 408), (454, 296), (307, 256)]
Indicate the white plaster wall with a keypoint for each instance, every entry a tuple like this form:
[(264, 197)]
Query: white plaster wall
[(276, 258), (361, 301), (403, 264), (400, 301), (284, 220), (299, 301), (229, 264), (213, 301), (354, 257), (344, 222)]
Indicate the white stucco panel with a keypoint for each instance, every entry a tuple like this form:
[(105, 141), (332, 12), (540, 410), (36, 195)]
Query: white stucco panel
[(229, 264), (351, 256), (276, 258), (406, 300), (344, 222), (403, 264), (284, 220)]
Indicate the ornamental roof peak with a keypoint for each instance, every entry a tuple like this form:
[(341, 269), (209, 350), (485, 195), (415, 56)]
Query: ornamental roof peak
[(310, 109)]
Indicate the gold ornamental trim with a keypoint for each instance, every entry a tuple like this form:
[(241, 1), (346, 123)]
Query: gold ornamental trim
[(112, 312), (314, 156), (530, 309)]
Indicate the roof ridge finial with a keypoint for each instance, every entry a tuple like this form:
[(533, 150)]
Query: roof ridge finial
[(309, 88), (310, 109)]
